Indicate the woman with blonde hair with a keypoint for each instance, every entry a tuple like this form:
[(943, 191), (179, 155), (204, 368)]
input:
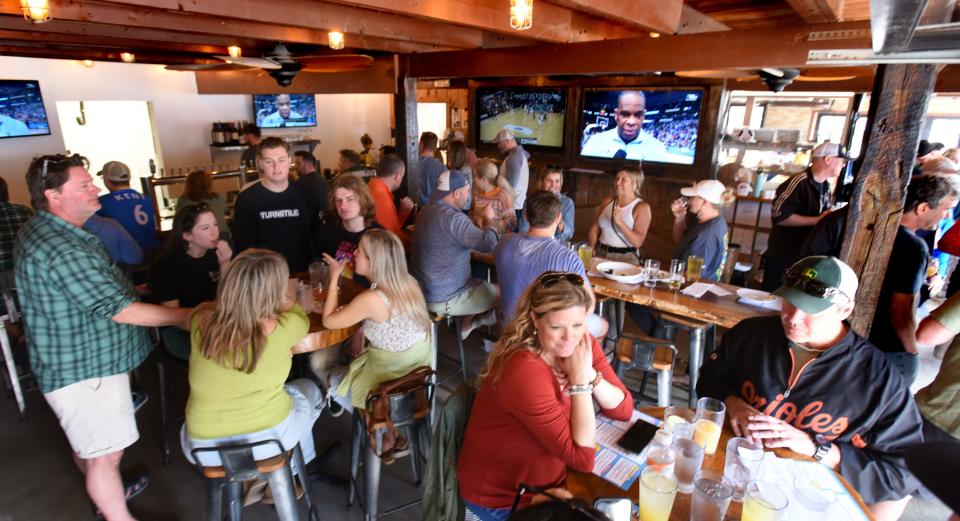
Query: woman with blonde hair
[(394, 316), (536, 399), (620, 229), (491, 189), (240, 358), (354, 212), (199, 189)]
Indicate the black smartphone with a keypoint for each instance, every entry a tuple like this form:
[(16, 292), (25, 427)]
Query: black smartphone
[(637, 437)]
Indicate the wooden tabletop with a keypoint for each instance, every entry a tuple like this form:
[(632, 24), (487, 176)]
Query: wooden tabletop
[(320, 337), (589, 487), (723, 311)]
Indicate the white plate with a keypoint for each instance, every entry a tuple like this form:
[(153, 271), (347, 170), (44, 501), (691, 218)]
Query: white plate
[(621, 271), (756, 295)]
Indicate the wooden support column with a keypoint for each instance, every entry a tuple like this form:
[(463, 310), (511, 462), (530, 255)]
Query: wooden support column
[(406, 132), (897, 107)]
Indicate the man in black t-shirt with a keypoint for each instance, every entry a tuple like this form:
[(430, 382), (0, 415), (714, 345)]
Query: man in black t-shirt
[(929, 199), (314, 185), (827, 236), (800, 202), (275, 213)]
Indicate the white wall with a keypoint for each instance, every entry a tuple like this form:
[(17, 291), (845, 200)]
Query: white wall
[(183, 117)]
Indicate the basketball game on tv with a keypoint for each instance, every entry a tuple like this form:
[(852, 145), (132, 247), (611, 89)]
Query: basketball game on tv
[(535, 116), (285, 110), (21, 109), (644, 125)]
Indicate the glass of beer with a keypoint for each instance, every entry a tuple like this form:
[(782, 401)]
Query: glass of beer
[(694, 267), (709, 423), (318, 274), (658, 489), (676, 274), (764, 501), (586, 254)]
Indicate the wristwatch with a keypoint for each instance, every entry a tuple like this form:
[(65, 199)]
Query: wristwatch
[(823, 447)]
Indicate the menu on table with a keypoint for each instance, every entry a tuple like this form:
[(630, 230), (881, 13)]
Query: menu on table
[(612, 462)]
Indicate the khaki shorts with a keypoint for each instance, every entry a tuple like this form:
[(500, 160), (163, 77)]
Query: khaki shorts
[(96, 415), (473, 300)]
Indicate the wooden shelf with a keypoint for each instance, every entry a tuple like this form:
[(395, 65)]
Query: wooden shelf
[(774, 147)]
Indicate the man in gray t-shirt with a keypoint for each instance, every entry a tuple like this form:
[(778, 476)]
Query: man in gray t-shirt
[(515, 167)]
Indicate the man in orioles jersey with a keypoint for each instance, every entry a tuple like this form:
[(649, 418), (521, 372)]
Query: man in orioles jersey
[(806, 382)]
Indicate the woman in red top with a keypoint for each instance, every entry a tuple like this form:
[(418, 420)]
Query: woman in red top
[(533, 416)]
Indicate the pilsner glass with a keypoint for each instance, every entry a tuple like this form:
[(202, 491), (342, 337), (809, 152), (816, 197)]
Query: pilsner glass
[(676, 274), (658, 489), (652, 267), (709, 424), (694, 267), (586, 254)]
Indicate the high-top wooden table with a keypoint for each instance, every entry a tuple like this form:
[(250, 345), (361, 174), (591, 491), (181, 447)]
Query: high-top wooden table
[(589, 487), (320, 337), (704, 312)]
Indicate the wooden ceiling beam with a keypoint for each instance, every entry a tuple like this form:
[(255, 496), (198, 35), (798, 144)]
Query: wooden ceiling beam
[(60, 53), (693, 21), (551, 23), (769, 47), (319, 16), (662, 16), (28, 38), (817, 11)]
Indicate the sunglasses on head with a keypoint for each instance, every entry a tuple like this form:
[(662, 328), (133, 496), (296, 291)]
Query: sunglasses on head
[(55, 161), (810, 286), (551, 278), (523, 488)]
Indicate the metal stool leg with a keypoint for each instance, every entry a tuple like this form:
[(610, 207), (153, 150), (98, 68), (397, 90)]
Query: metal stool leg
[(664, 383), (457, 323), (165, 445), (371, 479), (433, 365), (412, 435), (215, 499), (355, 447), (12, 370), (696, 358), (284, 494), (235, 500), (305, 481)]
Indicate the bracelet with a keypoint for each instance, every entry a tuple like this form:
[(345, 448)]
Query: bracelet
[(596, 381), (580, 389)]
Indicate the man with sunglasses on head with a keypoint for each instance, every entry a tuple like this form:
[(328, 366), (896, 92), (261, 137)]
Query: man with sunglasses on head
[(806, 382), (85, 327)]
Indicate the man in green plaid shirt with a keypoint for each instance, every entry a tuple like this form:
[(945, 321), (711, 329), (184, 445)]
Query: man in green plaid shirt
[(83, 325)]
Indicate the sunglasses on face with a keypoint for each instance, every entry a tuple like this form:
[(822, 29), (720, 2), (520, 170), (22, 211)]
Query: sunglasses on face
[(523, 488), (811, 286), (551, 278)]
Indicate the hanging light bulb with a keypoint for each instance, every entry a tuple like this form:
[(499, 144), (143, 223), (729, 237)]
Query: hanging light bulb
[(87, 63), (335, 39), (521, 14), (654, 34), (127, 57), (37, 11), (234, 51)]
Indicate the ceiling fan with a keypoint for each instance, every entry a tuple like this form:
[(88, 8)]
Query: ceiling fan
[(281, 64), (778, 78)]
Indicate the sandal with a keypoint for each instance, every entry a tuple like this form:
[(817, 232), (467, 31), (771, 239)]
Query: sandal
[(131, 489), (387, 455), (268, 495)]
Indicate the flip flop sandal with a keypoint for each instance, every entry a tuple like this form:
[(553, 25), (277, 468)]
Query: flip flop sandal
[(131, 489), (268, 495)]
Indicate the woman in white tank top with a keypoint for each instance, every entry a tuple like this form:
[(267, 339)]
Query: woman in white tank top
[(622, 221)]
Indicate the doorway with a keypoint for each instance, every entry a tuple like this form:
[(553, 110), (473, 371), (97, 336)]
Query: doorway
[(432, 117)]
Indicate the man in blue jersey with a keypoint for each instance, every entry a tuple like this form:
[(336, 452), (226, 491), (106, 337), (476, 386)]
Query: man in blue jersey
[(133, 210)]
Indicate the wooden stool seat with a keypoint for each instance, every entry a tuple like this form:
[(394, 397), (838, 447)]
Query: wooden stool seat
[(662, 356), (264, 466), (683, 321)]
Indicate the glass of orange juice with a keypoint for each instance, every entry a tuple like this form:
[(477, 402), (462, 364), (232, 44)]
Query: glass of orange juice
[(658, 489), (709, 423)]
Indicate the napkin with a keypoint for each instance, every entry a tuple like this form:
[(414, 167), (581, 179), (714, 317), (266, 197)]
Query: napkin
[(718, 291), (697, 289), (774, 304)]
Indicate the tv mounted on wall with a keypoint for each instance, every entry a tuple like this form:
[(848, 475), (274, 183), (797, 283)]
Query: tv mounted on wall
[(21, 109), (285, 110), (535, 115), (650, 125)]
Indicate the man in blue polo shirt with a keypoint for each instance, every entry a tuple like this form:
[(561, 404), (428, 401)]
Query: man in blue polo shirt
[(133, 210)]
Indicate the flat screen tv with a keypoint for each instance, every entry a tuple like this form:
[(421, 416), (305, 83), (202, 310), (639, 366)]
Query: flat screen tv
[(21, 109), (648, 125), (534, 115), (285, 110)]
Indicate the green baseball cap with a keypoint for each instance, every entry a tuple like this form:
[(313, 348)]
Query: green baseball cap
[(813, 284)]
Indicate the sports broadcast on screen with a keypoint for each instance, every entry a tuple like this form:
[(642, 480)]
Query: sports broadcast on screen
[(21, 109), (535, 116), (285, 110)]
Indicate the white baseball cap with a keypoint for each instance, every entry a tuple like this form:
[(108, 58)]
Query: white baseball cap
[(828, 149), (710, 190), (505, 134)]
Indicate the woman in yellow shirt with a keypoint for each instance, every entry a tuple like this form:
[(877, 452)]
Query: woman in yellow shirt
[(240, 358)]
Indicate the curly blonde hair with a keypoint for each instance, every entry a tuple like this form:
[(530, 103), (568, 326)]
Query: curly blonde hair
[(537, 300)]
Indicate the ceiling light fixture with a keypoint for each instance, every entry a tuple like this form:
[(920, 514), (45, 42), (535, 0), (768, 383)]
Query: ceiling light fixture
[(36, 11), (127, 57), (335, 39), (521, 14), (87, 63), (234, 51), (654, 34)]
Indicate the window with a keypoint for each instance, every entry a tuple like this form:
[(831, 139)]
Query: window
[(830, 127), (944, 130), (736, 113)]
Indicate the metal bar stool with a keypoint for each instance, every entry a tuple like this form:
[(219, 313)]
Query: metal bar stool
[(639, 351), (699, 332), (239, 465), (436, 318)]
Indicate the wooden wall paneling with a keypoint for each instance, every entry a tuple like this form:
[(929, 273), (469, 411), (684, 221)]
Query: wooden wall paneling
[(407, 134)]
